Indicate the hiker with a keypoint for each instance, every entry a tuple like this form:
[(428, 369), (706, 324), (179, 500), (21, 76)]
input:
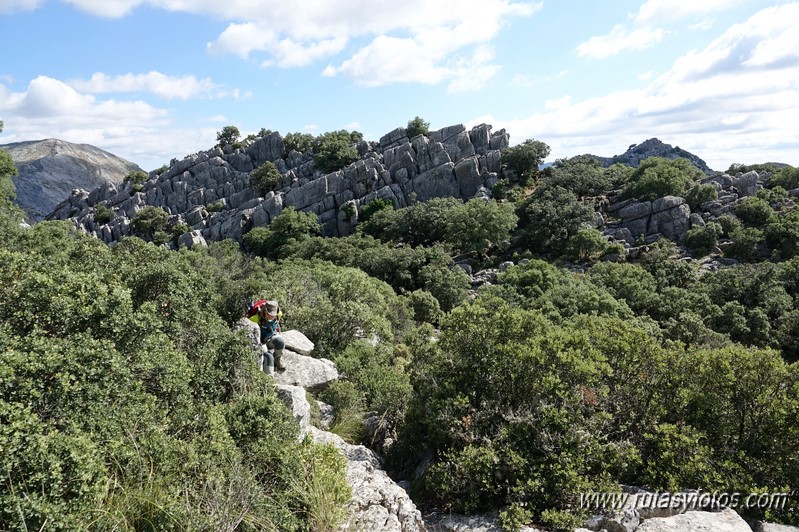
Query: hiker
[(266, 313)]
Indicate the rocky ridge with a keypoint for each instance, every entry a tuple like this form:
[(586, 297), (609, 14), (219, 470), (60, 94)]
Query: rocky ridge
[(49, 169), (211, 191), (653, 148), (377, 502)]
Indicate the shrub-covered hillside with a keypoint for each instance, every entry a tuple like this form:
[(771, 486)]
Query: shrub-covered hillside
[(582, 328)]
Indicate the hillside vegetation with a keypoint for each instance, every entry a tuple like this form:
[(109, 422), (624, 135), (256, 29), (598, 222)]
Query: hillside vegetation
[(124, 389)]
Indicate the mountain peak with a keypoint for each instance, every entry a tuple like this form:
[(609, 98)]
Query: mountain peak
[(50, 168)]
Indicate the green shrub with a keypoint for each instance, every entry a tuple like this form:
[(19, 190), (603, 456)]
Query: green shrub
[(586, 244), (266, 178), (148, 221), (699, 194), (289, 227), (376, 205), (228, 135), (178, 230), (729, 224), (417, 126), (349, 211), (787, 178), (582, 175), (524, 159), (745, 243), (702, 240), (301, 142), (754, 211), (657, 177), (425, 306), (215, 207), (102, 214), (336, 149), (550, 217), (137, 177)]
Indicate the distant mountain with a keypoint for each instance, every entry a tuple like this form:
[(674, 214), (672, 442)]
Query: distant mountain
[(49, 170), (653, 148)]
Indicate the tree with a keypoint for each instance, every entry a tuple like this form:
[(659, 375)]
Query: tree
[(417, 126), (1, 126), (657, 177), (266, 178), (478, 225), (336, 149), (7, 170), (228, 135), (149, 221), (289, 227), (524, 159), (583, 175), (551, 216)]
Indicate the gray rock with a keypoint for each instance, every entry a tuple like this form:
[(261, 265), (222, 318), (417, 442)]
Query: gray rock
[(635, 210), (191, 239), (747, 183), (505, 265), (295, 400), (297, 342), (773, 527), (327, 415), (725, 521), (697, 220), (666, 203), (313, 374), (377, 503)]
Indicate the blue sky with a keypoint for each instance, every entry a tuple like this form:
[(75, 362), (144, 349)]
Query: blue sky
[(152, 80)]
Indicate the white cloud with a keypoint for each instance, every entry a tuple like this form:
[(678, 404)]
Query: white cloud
[(620, 38), (645, 29), (168, 87), (8, 6), (666, 11), (133, 129), (739, 96), (422, 41)]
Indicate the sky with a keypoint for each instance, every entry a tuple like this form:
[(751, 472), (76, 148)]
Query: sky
[(153, 80)]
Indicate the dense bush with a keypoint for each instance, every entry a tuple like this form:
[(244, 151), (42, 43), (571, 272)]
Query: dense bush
[(657, 177), (228, 135), (417, 126), (266, 178), (550, 217), (699, 194), (149, 221), (787, 178), (754, 211), (701, 240), (288, 227), (524, 159), (336, 149), (126, 401), (583, 175)]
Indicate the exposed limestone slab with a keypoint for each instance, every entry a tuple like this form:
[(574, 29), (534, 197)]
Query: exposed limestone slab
[(296, 401), (725, 521), (377, 502), (311, 373), (297, 342)]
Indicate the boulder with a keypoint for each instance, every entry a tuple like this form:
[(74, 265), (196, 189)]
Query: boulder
[(191, 239), (773, 527), (296, 401), (377, 502), (313, 374), (467, 523), (297, 342), (725, 521)]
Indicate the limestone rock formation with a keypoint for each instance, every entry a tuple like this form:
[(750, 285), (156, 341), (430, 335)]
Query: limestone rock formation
[(653, 148), (212, 193), (49, 169), (725, 521), (378, 503)]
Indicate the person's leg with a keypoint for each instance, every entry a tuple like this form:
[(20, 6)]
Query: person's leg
[(267, 361), (278, 344)]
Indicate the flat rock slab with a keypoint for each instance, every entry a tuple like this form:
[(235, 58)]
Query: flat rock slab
[(296, 401), (724, 521), (313, 374), (297, 342)]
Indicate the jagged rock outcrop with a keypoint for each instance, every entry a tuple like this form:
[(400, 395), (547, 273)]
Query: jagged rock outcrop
[(668, 216), (726, 520), (49, 169), (467, 523), (653, 148), (211, 191), (377, 503)]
